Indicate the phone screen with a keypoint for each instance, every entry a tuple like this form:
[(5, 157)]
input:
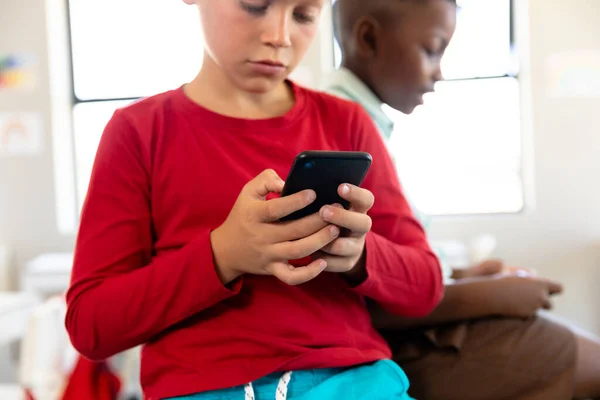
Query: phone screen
[(324, 172)]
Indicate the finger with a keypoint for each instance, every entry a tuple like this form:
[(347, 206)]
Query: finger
[(489, 267), (461, 273), (554, 288), (520, 271), (358, 223), (266, 182), (299, 229), (343, 247), (547, 304), (361, 200), (295, 250), (336, 264), (297, 275), (275, 209)]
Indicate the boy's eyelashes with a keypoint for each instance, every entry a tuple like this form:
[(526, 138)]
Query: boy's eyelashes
[(304, 18), (259, 10), (434, 52), (435, 48), (254, 9)]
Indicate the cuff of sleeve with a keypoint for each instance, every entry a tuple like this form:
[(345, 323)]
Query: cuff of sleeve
[(212, 287), (370, 284)]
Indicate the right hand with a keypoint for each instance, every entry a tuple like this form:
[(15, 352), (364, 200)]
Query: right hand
[(522, 296), (252, 240)]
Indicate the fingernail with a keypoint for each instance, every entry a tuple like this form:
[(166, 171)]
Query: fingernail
[(335, 231), (338, 205), (311, 196), (326, 213), (323, 264), (345, 189)]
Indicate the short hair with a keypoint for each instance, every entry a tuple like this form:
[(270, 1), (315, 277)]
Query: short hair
[(351, 10)]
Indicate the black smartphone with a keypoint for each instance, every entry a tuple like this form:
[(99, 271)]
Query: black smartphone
[(324, 172)]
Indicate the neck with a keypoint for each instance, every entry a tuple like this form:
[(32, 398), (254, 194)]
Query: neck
[(214, 90), (359, 69)]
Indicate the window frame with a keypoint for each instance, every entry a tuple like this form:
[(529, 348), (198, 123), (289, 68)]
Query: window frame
[(75, 101)]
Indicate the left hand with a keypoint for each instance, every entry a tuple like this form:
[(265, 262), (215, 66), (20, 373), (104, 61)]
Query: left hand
[(485, 268), (490, 268), (346, 253)]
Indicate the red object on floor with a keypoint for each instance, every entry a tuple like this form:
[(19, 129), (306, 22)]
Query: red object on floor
[(92, 380)]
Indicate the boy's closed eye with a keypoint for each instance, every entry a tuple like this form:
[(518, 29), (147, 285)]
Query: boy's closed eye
[(304, 14), (436, 48), (255, 7), (430, 52)]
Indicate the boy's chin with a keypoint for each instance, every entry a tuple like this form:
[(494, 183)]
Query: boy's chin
[(261, 85), (408, 108)]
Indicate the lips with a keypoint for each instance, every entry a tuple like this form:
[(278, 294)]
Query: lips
[(269, 68), (270, 62)]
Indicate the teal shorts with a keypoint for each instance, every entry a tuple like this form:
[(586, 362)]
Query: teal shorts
[(382, 380)]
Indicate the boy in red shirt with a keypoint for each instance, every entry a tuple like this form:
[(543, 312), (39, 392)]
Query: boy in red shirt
[(180, 248)]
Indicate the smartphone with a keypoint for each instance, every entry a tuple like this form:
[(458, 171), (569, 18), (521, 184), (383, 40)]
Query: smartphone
[(324, 172)]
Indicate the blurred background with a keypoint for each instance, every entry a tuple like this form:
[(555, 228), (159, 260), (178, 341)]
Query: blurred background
[(505, 156)]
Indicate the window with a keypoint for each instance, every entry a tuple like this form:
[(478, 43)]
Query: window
[(121, 51), (460, 153)]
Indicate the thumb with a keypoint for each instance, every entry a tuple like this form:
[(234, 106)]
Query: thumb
[(266, 182)]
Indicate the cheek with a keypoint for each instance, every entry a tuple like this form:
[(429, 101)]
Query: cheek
[(400, 72), (419, 69), (302, 37), (221, 46)]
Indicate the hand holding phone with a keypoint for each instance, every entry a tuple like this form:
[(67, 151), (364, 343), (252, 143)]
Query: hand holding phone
[(252, 240), (346, 254), (335, 177)]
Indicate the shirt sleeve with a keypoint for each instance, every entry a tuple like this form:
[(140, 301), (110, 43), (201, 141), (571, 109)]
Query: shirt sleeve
[(403, 273), (121, 293)]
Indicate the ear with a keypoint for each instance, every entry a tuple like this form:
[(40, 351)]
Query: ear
[(366, 33)]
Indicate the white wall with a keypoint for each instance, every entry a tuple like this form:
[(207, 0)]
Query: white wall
[(27, 206)]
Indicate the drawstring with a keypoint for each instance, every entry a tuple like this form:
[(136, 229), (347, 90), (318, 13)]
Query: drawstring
[(280, 393), (249, 391)]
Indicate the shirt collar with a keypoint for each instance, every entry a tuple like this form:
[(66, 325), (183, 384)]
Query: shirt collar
[(346, 81)]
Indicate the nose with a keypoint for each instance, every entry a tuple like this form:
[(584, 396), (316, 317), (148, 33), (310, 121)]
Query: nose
[(277, 29)]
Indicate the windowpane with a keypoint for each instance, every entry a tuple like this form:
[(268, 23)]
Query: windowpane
[(461, 152), (133, 48), (481, 46), (89, 120)]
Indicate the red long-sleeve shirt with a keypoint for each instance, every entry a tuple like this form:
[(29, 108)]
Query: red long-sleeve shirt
[(166, 173)]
